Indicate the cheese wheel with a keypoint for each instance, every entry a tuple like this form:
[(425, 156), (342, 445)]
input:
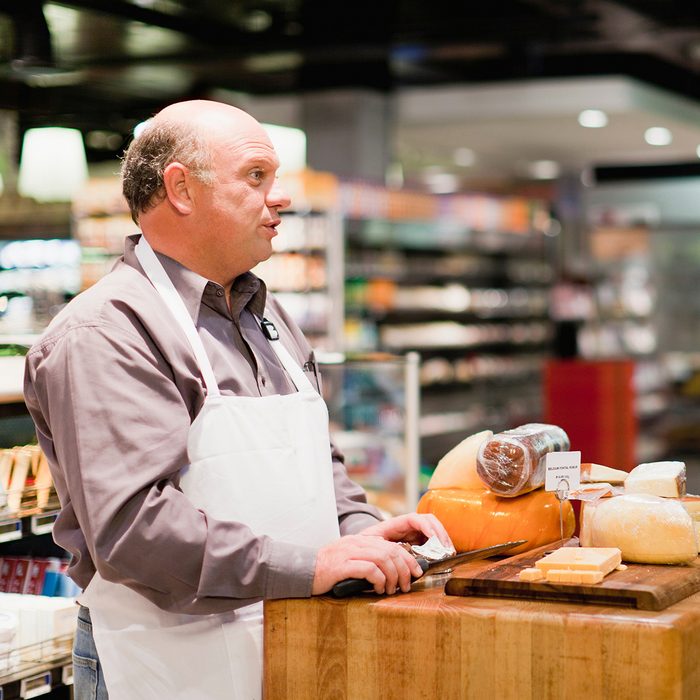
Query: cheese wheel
[(479, 518), (647, 529), (457, 469)]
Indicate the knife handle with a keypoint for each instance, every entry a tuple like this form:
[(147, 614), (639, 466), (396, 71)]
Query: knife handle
[(353, 586)]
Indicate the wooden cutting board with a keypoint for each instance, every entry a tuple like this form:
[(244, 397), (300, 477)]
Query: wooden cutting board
[(642, 586)]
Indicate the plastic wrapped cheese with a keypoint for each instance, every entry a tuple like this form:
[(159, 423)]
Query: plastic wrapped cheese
[(513, 462), (647, 529), (479, 518)]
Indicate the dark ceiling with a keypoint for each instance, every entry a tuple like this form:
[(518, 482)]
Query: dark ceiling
[(107, 64)]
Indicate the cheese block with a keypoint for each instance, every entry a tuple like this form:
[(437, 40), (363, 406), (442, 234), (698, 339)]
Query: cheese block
[(532, 573), (647, 529), (479, 518), (658, 479), (601, 559), (591, 472), (571, 576), (457, 469)]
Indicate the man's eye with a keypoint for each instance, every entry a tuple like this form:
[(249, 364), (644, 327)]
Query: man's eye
[(257, 174)]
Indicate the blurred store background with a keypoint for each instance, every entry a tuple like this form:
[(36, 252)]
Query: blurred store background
[(496, 210)]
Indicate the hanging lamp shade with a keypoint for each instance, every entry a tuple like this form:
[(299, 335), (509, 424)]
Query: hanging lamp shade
[(53, 166)]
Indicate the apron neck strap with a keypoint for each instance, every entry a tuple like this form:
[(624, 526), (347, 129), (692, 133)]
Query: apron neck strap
[(164, 286)]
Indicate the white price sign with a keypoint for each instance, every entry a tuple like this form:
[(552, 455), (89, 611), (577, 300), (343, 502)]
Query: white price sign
[(563, 472)]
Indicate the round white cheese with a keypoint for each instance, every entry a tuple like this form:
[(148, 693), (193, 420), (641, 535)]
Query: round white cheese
[(647, 529)]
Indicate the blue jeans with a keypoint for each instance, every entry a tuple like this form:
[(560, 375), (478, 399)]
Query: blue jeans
[(88, 681)]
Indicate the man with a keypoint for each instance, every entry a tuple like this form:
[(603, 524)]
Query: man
[(189, 449)]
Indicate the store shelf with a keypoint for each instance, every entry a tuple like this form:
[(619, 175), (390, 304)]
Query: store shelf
[(11, 379), (373, 402), (37, 669)]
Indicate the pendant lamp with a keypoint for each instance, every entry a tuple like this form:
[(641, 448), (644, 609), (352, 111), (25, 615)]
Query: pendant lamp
[(53, 166)]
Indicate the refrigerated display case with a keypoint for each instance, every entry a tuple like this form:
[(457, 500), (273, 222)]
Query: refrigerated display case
[(373, 402)]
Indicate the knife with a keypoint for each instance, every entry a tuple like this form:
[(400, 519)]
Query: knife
[(351, 586)]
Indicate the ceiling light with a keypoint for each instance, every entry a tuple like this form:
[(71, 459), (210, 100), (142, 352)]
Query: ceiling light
[(138, 129), (52, 166), (658, 136), (290, 145), (544, 169), (593, 118), (464, 157)]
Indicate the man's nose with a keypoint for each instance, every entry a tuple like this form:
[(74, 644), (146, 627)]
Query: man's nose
[(278, 197)]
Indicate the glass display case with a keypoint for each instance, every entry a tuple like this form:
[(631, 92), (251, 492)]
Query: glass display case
[(373, 401)]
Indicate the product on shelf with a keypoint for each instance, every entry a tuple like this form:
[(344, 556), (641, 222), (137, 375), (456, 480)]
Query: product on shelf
[(25, 481), (512, 463), (457, 469), (479, 518), (647, 529), (658, 479)]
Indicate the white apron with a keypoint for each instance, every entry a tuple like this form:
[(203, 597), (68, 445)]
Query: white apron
[(264, 461)]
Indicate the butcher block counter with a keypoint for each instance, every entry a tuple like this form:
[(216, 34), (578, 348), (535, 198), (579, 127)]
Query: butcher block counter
[(426, 644)]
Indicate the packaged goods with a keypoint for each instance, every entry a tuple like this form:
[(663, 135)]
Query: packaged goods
[(512, 463), (457, 469), (647, 529), (658, 479), (479, 518)]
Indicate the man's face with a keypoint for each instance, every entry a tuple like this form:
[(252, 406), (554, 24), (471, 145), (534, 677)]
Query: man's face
[(238, 212)]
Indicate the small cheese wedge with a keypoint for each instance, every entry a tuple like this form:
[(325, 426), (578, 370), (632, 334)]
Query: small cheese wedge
[(457, 469), (591, 472), (665, 479), (648, 529), (603, 559), (531, 574)]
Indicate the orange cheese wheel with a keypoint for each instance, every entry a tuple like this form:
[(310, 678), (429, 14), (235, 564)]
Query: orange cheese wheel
[(480, 518)]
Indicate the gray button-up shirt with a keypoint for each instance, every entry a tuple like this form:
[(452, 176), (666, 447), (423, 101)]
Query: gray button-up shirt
[(113, 386)]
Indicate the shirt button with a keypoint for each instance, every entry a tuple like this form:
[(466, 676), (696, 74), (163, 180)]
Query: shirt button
[(262, 380), (219, 292)]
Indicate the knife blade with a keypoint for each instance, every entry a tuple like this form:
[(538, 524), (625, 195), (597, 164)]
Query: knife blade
[(352, 586)]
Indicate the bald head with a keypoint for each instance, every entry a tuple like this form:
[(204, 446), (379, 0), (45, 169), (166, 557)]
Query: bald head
[(185, 132)]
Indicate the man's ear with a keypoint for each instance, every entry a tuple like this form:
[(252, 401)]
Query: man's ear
[(177, 179)]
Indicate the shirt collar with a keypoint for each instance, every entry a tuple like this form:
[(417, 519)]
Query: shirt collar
[(248, 289)]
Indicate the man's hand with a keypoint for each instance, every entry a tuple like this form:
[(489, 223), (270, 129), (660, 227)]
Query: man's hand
[(413, 528), (386, 565)]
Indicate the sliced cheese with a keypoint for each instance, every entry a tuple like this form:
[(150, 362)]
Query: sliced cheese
[(591, 472), (457, 469), (658, 479), (532, 573), (571, 576), (648, 529), (602, 559)]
